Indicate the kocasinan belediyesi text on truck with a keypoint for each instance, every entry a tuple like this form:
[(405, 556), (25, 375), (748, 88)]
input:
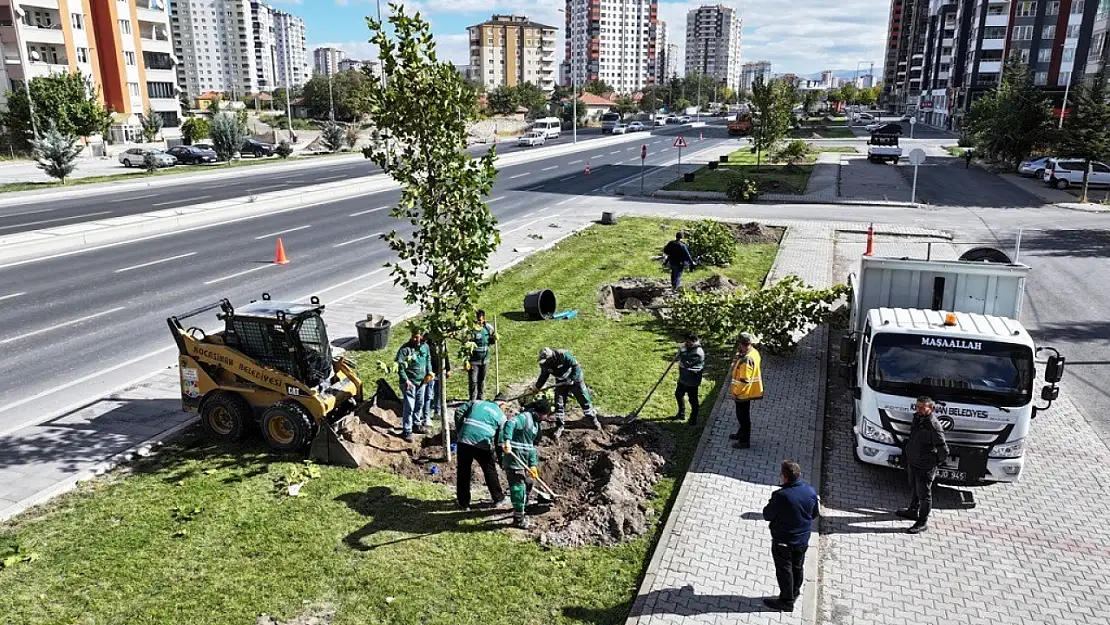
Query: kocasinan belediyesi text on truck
[(948, 330)]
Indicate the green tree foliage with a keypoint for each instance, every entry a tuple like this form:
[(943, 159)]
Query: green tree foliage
[(227, 135), (597, 87), (150, 162), (711, 243), (726, 95), (771, 102), (423, 105), (352, 135), (1087, 132), (625, 105), (849, 93), (742, 189), (283, 149), (67, 100), (194, 129), (793, 151), (332, 136), (502, 100), (532, 98), (569, 109), (349, 90), (562, 92), (56, 153), (810, 100), (868, 97), (649, 102), (1012, 119), (152, 124)]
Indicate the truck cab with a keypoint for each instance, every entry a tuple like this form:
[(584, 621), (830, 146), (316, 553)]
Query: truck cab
[(609, 121), (883, 147)]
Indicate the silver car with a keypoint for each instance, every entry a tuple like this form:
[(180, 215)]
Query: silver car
[(135, 157), (1034, 167), (532, 138)]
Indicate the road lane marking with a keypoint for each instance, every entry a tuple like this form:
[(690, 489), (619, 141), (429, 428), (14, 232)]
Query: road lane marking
[(137, 197), (226, 184), (167, 203), (615, 152), (550, 168), (59, 325), (575, 162), (598, 156), (274, 234), (369, 236), (569, 199), (365, 212), (199, 197), (529, 223), (567, 178), (332, 177), (11, 295), (496, 199), (241, 273), (527, 173), (34, 212), (155, 262), (55, 220)]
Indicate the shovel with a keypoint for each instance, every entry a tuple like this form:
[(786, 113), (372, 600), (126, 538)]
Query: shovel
[(519, 397), (635, 414), (550, 493)]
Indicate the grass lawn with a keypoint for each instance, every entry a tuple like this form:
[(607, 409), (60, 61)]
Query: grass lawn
[(954, 151), (773, 177), (200, 535), (841, 149)]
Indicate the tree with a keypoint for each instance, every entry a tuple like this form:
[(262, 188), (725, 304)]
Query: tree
[(152, 124), (597, 87), (562, 92), (283, 149), (227, 135), (68, 100), (1011, 120), (56, 153), (849, 93), (194, 129), (726, 95), (1087, 132), (502, 100), (771, 104), (348, 92), (352, 135), (568, 112), (867, 97), (625, 105), (422, 106), (532, 98), (810, 100), (331, 135)]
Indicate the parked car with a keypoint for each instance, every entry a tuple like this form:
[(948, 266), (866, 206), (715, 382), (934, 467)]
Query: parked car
[(1034, 167), (685, 119), (619, 129), (672, 119), (1063, 173), (256, 148), (882, 148), (884, 128), (532, 138), (192, 154), (862, 119), (635, 126), (660, 119), (134, 157), (205, 146)]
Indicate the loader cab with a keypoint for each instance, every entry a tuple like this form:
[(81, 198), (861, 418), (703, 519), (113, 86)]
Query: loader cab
[(286, 336)]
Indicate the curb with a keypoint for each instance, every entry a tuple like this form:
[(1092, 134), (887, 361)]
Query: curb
[(717, 196)]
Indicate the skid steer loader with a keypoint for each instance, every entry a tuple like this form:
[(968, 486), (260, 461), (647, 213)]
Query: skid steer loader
[(272, 364)]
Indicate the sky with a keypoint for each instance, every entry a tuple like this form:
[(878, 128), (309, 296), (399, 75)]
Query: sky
[(799, 36)]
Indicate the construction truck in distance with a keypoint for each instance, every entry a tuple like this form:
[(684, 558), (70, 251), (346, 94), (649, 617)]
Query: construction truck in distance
[(740, 125), (272, 364), (948, 330)]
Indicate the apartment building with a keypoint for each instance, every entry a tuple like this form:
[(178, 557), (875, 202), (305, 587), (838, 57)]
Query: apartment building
[(325, 61), (750, 71), (291, 51), (508, 50), (662, 56), (1098, 54), (615, 41), (122, 45), (262, 28), (905, 54), (713, 43)]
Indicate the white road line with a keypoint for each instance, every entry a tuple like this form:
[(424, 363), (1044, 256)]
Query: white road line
[(369, 236), (241, 273), (332, 177), (521, 227), (569, 199), (615, 152), (567, 178), (527, 173), (575, 162), (550, 168), (495, 199), (50, 221), (66, 323), (11, 295), (199, 198), (226, 184), (34, 212), (167, 203), (366, 212), (155, 262), (597, 156), (137, 197), (274, 234)]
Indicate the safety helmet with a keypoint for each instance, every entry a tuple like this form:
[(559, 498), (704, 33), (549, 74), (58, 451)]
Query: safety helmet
[(546, 354)]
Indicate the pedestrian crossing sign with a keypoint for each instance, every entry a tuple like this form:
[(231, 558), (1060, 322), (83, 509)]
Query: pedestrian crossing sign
[(679, 142)]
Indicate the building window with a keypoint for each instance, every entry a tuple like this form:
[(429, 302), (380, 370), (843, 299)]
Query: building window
[(1044, 55), (1069, 55), (1040, 78), (1064, 79), (77, 20), (1027, 9), (125, 27), (1053, 8), (163, 90), (82, 55), (1021, 55), (128, 57), (1021, 33), (1048, 32), (1073, 31), (1077, 7), (133, 87)]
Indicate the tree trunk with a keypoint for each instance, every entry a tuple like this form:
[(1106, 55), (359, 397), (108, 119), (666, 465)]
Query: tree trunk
[(1086, 180), (441, 399)]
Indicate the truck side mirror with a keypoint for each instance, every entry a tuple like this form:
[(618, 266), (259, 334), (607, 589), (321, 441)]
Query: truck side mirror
[(1054, 369), (847, 348), (1050, 393), (857, 392)]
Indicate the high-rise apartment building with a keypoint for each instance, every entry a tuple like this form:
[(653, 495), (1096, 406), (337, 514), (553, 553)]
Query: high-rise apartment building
[(326, 61), (508, 50), (905, 53), (662, 58), (615, 41), (1098, 54), (122, 45), (750, 71), (713, 43), (291, 51), (262, 27)]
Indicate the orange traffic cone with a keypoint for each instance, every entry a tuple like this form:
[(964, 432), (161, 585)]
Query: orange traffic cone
[(587, 168), (870, 251), (279, 255)]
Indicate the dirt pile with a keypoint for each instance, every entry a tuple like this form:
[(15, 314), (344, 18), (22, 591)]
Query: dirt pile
[(754, 232), (651, 293)]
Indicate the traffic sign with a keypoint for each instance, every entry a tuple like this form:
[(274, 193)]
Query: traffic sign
[(913, 121), (643, 152), (679, 142), (917, 156)]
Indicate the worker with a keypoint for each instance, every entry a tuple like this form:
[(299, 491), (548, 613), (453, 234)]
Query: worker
[(518, 436), (678, 259), (478, 424), (562, 365), (435, 386), (413, 364), (483, 337), (691, 362), (746, 385)]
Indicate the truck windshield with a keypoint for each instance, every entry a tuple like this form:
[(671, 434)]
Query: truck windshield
[(951, 369), (611, 117)]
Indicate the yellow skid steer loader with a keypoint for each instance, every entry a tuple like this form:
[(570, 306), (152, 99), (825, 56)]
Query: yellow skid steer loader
[(272, 364)]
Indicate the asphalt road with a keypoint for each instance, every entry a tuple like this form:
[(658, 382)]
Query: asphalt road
[(86, 319)]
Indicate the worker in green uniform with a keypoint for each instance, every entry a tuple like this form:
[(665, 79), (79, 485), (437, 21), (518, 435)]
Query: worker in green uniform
[(519, 435), (483, 336), (561, 364), (413, 368), (477, 426)]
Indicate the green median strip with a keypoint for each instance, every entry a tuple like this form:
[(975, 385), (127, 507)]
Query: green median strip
[(771, 176)]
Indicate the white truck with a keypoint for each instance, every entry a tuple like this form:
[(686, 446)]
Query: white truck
[(883, 147), (948, 330)]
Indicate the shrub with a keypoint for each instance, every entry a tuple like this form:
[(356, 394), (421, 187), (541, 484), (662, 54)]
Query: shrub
[(332, 136), (711, 243), (150, 163), (742, 189), (776, 314), (283, 149), (352, 135), (794, 151), (56, 153), (227, 135), (194, 129), (964, 141)]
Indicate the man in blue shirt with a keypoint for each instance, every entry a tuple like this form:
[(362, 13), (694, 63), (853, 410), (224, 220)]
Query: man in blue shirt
[(790, 514), (678, 259)]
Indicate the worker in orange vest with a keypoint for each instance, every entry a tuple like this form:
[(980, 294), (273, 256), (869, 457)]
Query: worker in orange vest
[(746, 385)]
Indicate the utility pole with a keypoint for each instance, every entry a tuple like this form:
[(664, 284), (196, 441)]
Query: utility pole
[(331, 100)]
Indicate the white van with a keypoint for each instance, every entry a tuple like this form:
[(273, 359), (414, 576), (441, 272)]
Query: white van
[(552, 127)]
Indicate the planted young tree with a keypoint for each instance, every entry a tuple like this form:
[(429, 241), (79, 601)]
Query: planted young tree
[(352, 135), (1012, 119), (423, 106), (283, 149), (56, 153), (194, 129), (227, 135), (332, 136), (69, 101), (1087, 132), (810, 100), (771, 104), (152, 124)]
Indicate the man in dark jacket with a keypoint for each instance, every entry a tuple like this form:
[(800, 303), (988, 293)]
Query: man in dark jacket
[(483, 335), (925, 450), (478, 426), (563, 366), (790, 514), (678, 259), (691, 362)]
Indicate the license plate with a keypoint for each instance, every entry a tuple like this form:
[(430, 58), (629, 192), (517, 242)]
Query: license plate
[(949, 474), (953, 463)]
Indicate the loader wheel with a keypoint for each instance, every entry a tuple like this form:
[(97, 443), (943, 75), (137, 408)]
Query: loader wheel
[(287, 426), (226, 416)]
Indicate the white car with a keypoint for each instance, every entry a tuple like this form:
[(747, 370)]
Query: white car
[(135, 156), (1063, 173), (635, 127), (619, 129), (872, 127), (532, 138), (685, 119)]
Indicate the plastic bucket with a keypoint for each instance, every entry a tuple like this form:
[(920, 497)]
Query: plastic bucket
[(540, 304), (373, 333)]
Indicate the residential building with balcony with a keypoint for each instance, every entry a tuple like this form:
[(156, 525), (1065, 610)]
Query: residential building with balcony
[(508, 50), (905, 54), (122, 46), (326, 60), (749, 72), (215, 42), (262, 31), (713, 44), (615, 41), (291, 51)]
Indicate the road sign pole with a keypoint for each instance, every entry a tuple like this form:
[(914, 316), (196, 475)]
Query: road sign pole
[(913, 193), (680, 158), (643, 156)]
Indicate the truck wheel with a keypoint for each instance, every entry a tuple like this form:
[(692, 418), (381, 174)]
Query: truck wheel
[(225, 416), (287, 426)]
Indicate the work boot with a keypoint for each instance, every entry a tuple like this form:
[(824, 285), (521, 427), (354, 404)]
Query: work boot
[(418, 429), (739, 445), (678, 416), (735, 436), (918, 527), (407, 437), (522, 522), (775, 604), (558, 433), (595, 422), (906, 513), (693, 418)]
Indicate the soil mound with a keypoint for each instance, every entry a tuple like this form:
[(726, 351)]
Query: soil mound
[(651, 293), (753, 232)]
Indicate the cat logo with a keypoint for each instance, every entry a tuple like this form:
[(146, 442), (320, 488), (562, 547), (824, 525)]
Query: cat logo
[(292, 390)]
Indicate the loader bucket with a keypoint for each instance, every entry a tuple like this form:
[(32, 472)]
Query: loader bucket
[(330, 448)]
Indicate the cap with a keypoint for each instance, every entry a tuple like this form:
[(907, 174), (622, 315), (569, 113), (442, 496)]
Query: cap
[(546, 354), (542, 406), (746, 338)]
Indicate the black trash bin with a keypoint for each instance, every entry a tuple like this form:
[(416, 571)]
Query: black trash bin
[(688, 177), (713, 164), (540, 304), (373, 333), (724, 158)]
